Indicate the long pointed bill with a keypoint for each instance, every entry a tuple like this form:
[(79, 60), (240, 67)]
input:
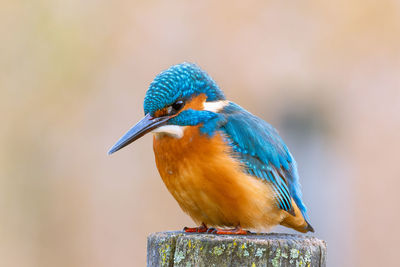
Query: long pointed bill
[(145, 125)]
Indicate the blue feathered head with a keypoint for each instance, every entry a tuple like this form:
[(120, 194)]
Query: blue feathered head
[(180, 82)]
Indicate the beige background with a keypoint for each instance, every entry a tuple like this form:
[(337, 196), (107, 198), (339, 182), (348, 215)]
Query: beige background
[(72, 79)]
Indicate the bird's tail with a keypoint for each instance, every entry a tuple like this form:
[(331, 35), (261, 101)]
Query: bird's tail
[(297, 222)]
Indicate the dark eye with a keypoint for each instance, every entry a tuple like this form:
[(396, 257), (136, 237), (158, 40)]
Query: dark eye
[(178, 105)]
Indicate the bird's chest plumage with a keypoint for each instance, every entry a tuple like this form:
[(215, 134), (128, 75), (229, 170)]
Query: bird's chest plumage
[(207, 182)]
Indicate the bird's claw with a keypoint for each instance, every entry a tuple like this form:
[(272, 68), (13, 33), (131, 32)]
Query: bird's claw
[(211, 230), (235, 231), (201, 229)]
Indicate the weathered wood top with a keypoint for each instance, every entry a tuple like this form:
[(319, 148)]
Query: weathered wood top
[(184, 249)]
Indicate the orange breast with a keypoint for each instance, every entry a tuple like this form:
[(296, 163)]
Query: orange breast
[(209, 184)]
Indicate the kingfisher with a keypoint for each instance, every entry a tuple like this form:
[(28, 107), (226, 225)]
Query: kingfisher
[(229, 170)]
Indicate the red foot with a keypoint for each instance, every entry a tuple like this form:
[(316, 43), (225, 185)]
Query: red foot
[(235, 231), (201, 229)]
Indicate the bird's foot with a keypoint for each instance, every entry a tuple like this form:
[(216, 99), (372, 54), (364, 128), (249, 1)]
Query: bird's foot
[(201, 229), (235, 231)]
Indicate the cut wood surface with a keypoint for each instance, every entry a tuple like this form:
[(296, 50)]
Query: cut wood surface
[(184, 249)]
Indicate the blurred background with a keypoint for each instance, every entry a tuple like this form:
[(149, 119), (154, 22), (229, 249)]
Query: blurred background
[(73, 75)]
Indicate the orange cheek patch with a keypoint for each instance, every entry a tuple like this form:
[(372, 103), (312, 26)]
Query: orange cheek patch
[(196, 103), (161, 112)]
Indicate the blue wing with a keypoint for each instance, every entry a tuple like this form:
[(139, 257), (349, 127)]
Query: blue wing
[(264, 154)]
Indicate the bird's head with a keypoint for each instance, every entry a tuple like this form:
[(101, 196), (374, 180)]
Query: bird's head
[(183, 95)]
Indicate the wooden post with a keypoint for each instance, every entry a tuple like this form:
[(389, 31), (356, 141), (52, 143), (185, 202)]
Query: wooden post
[(183, 249)]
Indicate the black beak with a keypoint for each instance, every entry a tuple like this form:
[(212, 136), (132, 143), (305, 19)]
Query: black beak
[(145, 125)]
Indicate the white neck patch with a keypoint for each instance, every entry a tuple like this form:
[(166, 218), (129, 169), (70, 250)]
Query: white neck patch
[(175, 131), (215, 106)]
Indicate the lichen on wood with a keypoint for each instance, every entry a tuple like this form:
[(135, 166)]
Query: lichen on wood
[(184, 249)]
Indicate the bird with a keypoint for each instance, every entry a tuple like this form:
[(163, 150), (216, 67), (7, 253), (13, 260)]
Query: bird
[(228, 169)]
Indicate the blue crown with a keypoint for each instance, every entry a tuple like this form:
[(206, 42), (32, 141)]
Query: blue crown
[(181, 81)]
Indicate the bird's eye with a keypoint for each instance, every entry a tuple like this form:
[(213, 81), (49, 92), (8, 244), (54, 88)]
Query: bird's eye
[(178, 105)]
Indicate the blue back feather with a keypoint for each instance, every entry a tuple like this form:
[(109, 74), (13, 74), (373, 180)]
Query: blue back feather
[(263, 153)]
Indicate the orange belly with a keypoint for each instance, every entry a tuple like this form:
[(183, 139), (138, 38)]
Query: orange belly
[(210, 186)]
